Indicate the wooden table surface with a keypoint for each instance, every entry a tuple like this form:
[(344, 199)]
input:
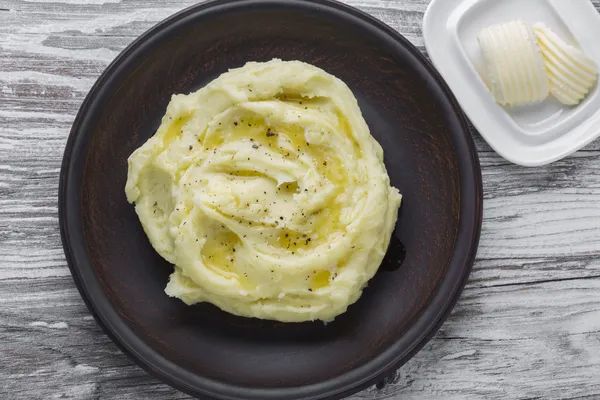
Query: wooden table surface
[(526, 327)]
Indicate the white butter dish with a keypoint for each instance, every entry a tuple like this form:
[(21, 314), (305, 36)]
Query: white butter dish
[(529, 135)]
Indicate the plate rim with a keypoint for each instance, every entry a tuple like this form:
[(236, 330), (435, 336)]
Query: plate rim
[(442, 302)]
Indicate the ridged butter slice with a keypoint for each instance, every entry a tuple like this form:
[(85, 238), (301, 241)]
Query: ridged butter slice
[(515, 66), (572, 74)]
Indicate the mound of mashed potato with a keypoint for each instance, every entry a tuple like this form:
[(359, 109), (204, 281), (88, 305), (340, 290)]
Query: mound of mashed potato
[(267, 192)]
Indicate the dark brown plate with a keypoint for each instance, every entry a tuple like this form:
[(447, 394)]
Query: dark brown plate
[(201, 350)]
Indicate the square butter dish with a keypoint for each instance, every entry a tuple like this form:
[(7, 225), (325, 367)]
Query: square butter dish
[(529, 135)]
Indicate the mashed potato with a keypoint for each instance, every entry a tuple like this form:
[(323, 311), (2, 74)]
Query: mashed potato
[(267, 192)]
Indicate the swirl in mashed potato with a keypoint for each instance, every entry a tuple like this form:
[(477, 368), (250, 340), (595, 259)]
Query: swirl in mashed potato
[(267, 192)]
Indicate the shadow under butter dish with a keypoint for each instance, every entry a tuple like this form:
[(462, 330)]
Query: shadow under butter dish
[(267, 192)]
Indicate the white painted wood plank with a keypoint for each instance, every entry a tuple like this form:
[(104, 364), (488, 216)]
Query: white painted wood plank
[(518, 341), (539, 224)]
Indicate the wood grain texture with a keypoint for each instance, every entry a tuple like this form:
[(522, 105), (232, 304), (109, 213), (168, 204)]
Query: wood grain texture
[(526, 327)]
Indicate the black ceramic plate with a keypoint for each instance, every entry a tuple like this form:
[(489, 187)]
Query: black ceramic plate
[(201, 350)]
